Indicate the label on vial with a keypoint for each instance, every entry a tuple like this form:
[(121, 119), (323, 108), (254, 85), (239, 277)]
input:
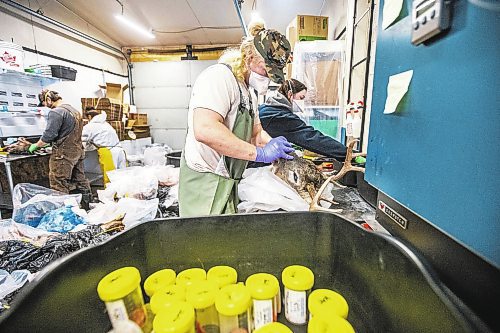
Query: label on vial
[(262, 312), (116, 311), (232, 324), (295, 306)]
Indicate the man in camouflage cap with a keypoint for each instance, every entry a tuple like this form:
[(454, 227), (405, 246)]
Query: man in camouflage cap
[(275, 49)]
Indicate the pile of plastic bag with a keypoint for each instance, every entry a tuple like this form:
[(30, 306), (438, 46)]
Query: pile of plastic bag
[(139, 193), (26, 250)]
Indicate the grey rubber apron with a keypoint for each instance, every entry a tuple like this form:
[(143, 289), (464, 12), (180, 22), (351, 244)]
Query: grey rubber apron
[(206, 193)]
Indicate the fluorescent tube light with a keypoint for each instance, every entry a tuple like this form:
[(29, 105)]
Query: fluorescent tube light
[(134, 26)]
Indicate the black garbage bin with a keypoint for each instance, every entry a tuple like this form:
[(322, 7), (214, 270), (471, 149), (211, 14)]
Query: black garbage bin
[(174, 158), (388, 287)]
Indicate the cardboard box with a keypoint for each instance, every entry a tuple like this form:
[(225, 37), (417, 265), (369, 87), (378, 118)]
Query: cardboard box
[(119, 128), (140, 118), (114, 91), (126, 108), (323, 77), (306, 27), (141, 131), (113, 109)]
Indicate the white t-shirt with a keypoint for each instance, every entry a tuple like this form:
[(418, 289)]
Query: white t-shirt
[(215, 89)]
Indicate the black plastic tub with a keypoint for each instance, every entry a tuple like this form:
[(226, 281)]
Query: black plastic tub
[(174, 158), (388, 287), (62, 72)]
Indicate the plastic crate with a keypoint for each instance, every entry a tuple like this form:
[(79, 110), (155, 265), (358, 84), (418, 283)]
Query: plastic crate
[(389, 287), (62, 72)]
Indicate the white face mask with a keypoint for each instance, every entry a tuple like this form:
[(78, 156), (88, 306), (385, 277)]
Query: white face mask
[(259, 82), (298, 105)]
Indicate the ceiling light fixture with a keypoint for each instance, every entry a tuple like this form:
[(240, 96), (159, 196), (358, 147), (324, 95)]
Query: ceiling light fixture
[(135, 26)]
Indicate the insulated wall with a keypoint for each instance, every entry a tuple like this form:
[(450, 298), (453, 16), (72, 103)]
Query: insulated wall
[(34, 34), (162, 90)]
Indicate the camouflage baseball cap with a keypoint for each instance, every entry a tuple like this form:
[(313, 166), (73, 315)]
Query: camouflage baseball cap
[(275, 49)]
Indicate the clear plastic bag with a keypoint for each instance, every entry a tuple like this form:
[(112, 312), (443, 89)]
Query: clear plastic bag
[(10, 282), (31, 202), (156, 154), (319, 65), (167, 175), (10, 230), (134, 211), (132, 182)]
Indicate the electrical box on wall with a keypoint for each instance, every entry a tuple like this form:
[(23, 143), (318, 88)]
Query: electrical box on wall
[(429, 18)]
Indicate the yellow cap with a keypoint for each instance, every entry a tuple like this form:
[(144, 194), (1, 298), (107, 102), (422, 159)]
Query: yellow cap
[(164, 297), (222, 275), (187, 276), (201, 294), (334, 324), (179, 318), (118, 284), (233, 300), (158, 280), (328, 302), (262, 286), (297, 277), (273, 328)]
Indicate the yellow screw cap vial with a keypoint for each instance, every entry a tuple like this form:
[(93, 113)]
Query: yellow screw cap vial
[(187, 276), (273, 328), (264, 289), (298, 281), (165, 297), (233, 304), (201, 295), (222, 275), (333, 324), (158, 280), (179, 318), (328, 301), (121, 291)]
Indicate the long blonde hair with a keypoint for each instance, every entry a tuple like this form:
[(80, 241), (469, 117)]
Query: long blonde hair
[(237, 58)]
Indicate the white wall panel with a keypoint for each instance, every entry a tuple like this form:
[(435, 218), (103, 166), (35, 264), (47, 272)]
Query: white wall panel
[(162, 97), (161, 74), (198, 66), (167, 119), (174, 138), (162, 90)]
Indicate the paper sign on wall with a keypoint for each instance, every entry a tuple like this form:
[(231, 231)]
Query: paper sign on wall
[(396, 89), (391, 11)]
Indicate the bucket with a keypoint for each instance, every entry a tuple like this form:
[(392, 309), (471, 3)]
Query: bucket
[(388, 286), (11, 56), (174, 158)]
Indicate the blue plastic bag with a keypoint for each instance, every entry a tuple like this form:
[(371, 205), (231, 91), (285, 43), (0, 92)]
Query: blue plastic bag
[(31, 202), (60, 220)]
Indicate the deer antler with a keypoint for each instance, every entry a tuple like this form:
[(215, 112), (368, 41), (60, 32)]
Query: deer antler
[(315, 206)]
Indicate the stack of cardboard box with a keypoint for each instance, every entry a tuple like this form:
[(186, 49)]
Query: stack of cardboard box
[(112, 104), (138, 123)]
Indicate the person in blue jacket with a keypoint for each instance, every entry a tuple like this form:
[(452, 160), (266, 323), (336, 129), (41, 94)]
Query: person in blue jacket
[(277, 119)]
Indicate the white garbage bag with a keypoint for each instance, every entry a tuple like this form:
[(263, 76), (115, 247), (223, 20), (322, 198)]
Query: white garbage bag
[(261, 190)]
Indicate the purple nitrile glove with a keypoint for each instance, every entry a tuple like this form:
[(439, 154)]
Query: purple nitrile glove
[(276, 148)]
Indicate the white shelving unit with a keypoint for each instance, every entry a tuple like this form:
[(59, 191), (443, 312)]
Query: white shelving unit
[(9, 76)]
